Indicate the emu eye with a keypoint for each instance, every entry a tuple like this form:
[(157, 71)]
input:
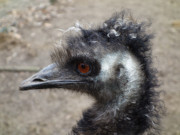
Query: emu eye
[(83, 68)]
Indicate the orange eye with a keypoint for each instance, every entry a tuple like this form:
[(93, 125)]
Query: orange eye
[(83, 68)]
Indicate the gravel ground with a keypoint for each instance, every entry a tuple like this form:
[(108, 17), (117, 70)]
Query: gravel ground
[(28, 32)]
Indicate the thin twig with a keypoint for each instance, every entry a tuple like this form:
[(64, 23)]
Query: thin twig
[(19, 69)]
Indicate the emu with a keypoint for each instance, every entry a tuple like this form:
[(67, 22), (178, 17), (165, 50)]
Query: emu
[(112, 63)]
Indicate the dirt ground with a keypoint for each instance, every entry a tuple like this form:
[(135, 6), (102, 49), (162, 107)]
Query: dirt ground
[(28, 32)]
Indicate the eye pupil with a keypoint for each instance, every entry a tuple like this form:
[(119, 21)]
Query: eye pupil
[(83, 68)]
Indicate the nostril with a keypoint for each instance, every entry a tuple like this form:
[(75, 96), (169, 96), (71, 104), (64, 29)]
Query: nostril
[(38, 80)]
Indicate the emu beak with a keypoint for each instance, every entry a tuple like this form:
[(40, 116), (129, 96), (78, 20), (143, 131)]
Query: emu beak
[(48, 77)]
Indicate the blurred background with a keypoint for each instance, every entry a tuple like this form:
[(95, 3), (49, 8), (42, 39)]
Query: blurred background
[(28, 31)]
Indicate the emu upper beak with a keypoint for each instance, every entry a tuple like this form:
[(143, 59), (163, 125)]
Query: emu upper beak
[(48, 77)]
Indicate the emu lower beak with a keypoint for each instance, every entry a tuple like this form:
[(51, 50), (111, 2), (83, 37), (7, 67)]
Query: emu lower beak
[(48, 77)]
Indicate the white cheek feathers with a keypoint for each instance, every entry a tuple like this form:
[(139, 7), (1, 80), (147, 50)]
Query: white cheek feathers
[(107, 65), (134, 77), (131, 74), (111, 61)]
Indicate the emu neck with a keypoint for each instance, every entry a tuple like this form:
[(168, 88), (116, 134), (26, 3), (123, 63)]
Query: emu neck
[(107, 119)]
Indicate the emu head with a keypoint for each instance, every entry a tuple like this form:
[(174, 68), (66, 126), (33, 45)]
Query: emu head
[(106, 62)]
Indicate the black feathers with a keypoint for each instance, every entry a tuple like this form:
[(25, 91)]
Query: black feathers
[(120, 32)]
